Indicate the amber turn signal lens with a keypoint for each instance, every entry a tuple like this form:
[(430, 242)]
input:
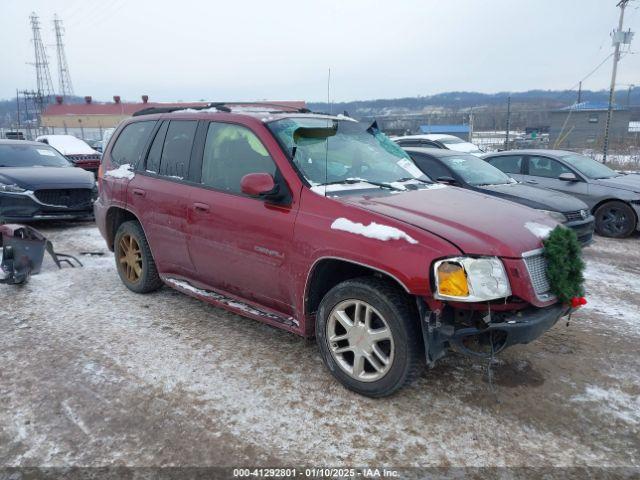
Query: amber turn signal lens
[(452, 280)]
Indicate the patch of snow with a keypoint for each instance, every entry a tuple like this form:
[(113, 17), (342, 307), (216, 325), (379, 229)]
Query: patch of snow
[(68, 144), (345, 117), (373, 230), (123, 171), (613, 402), (184, 285), (538, 229)]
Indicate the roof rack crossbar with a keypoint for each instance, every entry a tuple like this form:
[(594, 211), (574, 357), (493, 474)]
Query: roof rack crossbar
[(220, 106)]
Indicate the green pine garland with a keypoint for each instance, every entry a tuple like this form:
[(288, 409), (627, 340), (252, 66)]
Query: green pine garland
[(565, 266)]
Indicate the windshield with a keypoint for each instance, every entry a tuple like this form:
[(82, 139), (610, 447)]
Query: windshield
[(475, 171), (330, 151), (16, 155), (589, 167)]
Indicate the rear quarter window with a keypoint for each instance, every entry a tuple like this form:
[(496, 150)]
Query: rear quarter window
[(130, 144)]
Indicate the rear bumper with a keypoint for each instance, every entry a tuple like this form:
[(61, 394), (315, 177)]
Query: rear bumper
[(584, 229), (25, 207)]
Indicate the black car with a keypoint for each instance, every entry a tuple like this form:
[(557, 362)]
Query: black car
[(38, 183), (473, 173)]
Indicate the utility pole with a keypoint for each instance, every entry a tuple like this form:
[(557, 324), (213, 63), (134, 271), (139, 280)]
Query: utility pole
[(18, 109), (506, 141), (471, 125), (64, 79), (618, 37), (579, 92), (629, 95)]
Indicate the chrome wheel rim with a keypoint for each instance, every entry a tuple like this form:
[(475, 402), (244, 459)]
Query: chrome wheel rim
[(130, 258), (360, 340)]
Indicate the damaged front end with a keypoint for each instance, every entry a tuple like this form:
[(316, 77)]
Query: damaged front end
[(483, 333), (23, 249)]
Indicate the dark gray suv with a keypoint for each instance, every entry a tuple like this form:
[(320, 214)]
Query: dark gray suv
[(613, 197)]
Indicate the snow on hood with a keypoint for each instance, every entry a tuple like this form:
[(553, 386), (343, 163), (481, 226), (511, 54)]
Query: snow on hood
[(68, 145), (123, 171), (474, 222), (538, 229), (373, 230)]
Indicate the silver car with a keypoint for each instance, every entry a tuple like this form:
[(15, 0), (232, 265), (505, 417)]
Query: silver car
[(613, 197)]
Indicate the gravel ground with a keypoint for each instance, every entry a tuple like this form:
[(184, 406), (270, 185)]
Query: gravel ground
[(92, 374)]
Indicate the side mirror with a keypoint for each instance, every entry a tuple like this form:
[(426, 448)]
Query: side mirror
[(568, 177), (447, 180), (258, 185)]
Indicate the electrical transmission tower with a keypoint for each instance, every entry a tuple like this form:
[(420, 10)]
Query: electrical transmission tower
[(43, 76), (66, 88)]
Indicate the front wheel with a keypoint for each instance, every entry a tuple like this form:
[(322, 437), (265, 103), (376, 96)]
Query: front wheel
[(134, 261), (368, 335), (615, 219)]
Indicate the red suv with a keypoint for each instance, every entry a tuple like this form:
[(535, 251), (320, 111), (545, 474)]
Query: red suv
[(322, 226)]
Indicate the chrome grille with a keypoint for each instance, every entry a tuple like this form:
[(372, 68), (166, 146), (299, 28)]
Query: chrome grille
[(577, 215), (537, 266)]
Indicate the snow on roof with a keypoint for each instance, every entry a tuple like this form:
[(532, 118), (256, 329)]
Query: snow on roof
[(590, 106), (67, 144), (634, 127)]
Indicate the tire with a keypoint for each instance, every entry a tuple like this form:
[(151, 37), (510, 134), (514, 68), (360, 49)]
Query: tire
[(387, 306), (143, 278), (615, 219)]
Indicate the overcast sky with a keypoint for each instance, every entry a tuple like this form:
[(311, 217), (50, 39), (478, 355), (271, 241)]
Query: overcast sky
[(282, 50)]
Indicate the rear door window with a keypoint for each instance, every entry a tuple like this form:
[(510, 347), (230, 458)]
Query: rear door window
[(230, 153), (155, 152), (176, 152), (546, 167), (131, 143), (507, 163)]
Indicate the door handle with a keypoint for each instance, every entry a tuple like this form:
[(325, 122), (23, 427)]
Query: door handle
[(201, 207), (533, 182), (138, 192)]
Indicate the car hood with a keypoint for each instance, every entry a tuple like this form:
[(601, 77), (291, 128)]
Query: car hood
[(476, 223), (625, 182), (535, 197), (34, 178)]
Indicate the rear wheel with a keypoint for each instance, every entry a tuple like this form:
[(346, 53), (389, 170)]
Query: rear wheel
[(368, 336), (134, 262), (615, 219)]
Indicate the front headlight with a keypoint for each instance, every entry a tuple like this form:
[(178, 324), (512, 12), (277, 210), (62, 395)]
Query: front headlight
[(5, 188), (466, 279), (557, 216)]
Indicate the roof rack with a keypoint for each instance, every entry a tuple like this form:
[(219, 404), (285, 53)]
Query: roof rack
[(222, 107)]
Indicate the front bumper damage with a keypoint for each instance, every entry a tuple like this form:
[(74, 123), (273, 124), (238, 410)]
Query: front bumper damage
[(492, 332)]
